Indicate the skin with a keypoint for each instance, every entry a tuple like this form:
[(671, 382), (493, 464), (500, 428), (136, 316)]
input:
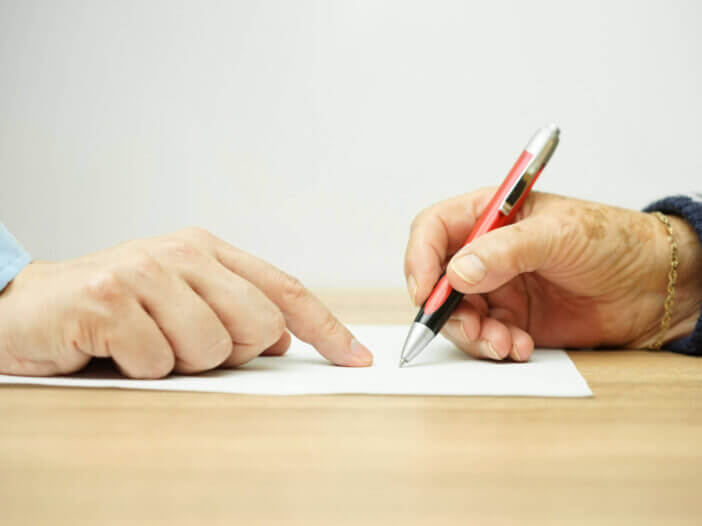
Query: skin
[(567, 273), (187, 302)]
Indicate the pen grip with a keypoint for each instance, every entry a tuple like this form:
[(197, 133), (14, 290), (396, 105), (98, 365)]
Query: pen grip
[(439, 306)]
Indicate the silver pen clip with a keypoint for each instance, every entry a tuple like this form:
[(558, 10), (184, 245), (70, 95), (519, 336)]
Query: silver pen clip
[(541, 146)]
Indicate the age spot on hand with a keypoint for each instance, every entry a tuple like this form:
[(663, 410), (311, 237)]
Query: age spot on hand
[(594, 222)]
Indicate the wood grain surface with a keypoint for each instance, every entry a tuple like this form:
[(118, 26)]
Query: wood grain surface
[(630, 455)]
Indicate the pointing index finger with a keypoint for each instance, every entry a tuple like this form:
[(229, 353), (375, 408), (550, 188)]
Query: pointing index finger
[(305, 315)]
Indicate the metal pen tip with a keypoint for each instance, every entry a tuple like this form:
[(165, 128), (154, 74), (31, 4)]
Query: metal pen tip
[(418, 337)]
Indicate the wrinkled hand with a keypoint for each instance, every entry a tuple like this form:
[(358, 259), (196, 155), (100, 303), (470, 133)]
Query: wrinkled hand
[(567, 273), (187, 302)]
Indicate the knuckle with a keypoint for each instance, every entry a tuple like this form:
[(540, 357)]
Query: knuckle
[(419, 219), (292, 288), (145, 265), (482, 191), (181, 249), (197, 233), (106, 286)]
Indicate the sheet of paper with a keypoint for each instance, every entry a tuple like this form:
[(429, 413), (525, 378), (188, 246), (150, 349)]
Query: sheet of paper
[(440, 370)]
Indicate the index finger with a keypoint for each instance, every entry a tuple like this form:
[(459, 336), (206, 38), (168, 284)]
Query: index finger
[(305, 315), (435, 235)]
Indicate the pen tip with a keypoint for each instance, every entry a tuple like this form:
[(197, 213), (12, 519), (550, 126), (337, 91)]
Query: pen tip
[(402, 362)]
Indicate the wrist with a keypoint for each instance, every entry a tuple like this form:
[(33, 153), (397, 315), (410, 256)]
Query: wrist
[(651, 296), (688, 291)]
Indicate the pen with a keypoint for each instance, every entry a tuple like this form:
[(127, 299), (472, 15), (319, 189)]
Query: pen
[(501, 210)]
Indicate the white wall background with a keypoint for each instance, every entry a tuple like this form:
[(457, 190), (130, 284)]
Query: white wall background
[(311, 132)]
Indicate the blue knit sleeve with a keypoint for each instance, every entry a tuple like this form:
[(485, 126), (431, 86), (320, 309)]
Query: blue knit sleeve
[(689, 207), (13, 257)]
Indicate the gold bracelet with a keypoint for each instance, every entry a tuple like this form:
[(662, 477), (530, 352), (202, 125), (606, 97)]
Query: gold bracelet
[(672, 279)]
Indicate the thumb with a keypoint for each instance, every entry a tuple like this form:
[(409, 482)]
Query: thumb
[(494, 258)]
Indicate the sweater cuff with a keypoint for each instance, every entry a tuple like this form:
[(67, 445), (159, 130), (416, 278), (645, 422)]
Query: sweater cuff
[(13, 258), (689, 207)]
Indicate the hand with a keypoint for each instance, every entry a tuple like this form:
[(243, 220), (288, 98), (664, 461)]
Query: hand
[(186, 302), (567, 273)]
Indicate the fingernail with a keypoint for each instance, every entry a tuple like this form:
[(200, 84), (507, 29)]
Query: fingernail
[(455, 327), (361, 354), (412, 287), (516, 354), (487, 350), (469, 268)]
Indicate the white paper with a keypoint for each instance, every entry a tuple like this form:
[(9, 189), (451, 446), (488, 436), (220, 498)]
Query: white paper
[(440, 370)]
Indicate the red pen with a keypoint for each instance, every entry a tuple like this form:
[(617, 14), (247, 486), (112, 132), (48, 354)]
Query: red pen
[(501, 210)]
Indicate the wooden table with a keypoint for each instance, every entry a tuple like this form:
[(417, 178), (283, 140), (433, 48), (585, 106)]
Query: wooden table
[(630, 455)]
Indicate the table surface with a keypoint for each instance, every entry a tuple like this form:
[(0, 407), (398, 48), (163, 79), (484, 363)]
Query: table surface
[(631, 454)]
